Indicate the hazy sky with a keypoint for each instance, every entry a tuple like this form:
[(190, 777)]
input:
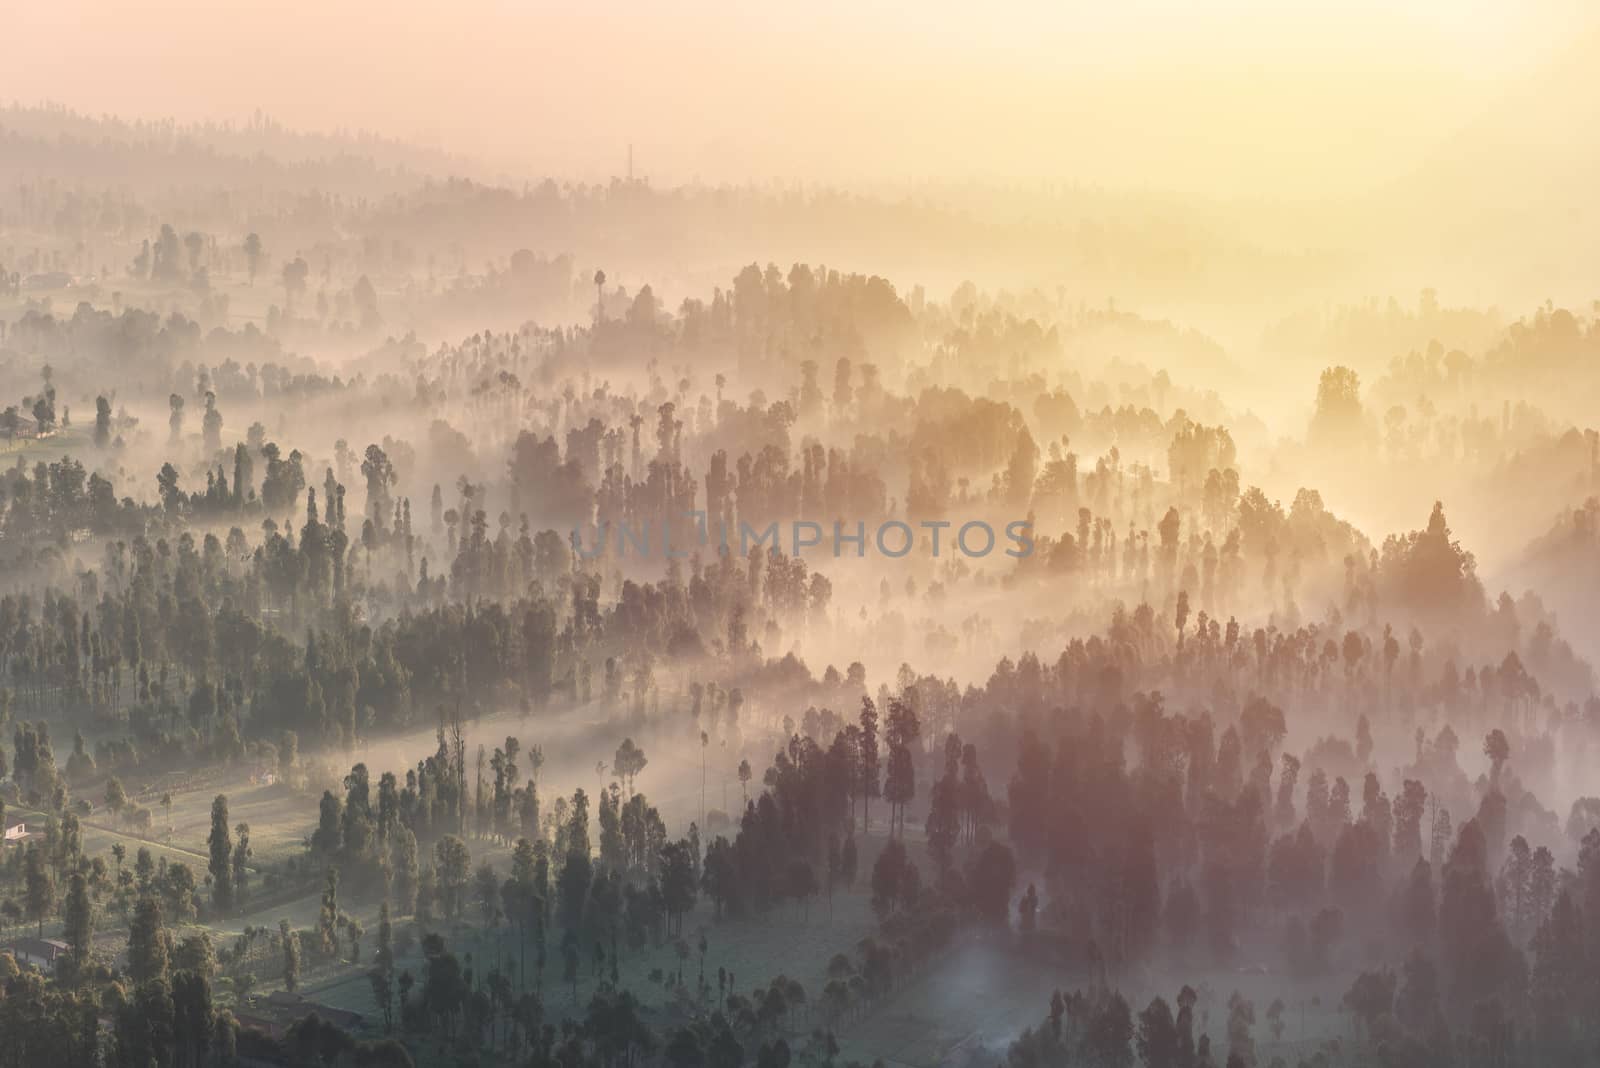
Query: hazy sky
[(1247, 96)]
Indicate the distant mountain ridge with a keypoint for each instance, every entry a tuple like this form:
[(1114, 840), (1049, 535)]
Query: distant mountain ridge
[(56, 142)]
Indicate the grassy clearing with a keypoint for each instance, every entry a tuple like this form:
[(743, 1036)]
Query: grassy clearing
[(279, 818), (99, 833), (64, 441)]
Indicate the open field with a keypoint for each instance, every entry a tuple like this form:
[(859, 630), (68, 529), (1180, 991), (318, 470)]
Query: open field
[(65, 441)]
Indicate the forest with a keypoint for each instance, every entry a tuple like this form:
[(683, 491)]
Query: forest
[(454, 612)]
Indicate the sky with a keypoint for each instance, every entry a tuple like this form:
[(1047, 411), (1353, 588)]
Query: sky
[(1244, 98)]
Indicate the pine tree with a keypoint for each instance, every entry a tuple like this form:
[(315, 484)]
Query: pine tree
[(221, 866), (453, 867), (78, 924), (944, 810), (148, 950), (291, 956), (241, 861), (328, 918), (867, 750), (900, 781), (405, 870), (39, 886), (1157, 1037)]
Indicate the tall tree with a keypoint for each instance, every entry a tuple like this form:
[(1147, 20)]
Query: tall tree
[(1157, 1038), (328, 916), (867, 754), (149, 947), (78, 924), (291, 956), (453, 867), (406, 872), (900, 782), (102, 422), (252, 255), (943, 825), (383, 967), (39, 885), (221, 866), (241, 861)]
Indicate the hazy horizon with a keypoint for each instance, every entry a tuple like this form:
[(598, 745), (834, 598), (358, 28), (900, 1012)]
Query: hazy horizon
[(1329, 100)]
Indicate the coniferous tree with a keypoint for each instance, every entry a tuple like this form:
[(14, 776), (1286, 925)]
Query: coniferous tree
[(328, 916), (240, 862), (221, 867), (291, 956), (78, 924), (39, 885), (149, 949)]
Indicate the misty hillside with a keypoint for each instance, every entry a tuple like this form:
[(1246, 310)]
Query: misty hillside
[(256, 153), (462, 619)]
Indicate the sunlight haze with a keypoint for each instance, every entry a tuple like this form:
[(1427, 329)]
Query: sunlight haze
[(1246, 98)]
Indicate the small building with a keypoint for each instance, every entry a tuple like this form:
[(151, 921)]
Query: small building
[(341, 1018), (270, 1026), (16, 831), (19, 427), (40, 953), (281, 1010)]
